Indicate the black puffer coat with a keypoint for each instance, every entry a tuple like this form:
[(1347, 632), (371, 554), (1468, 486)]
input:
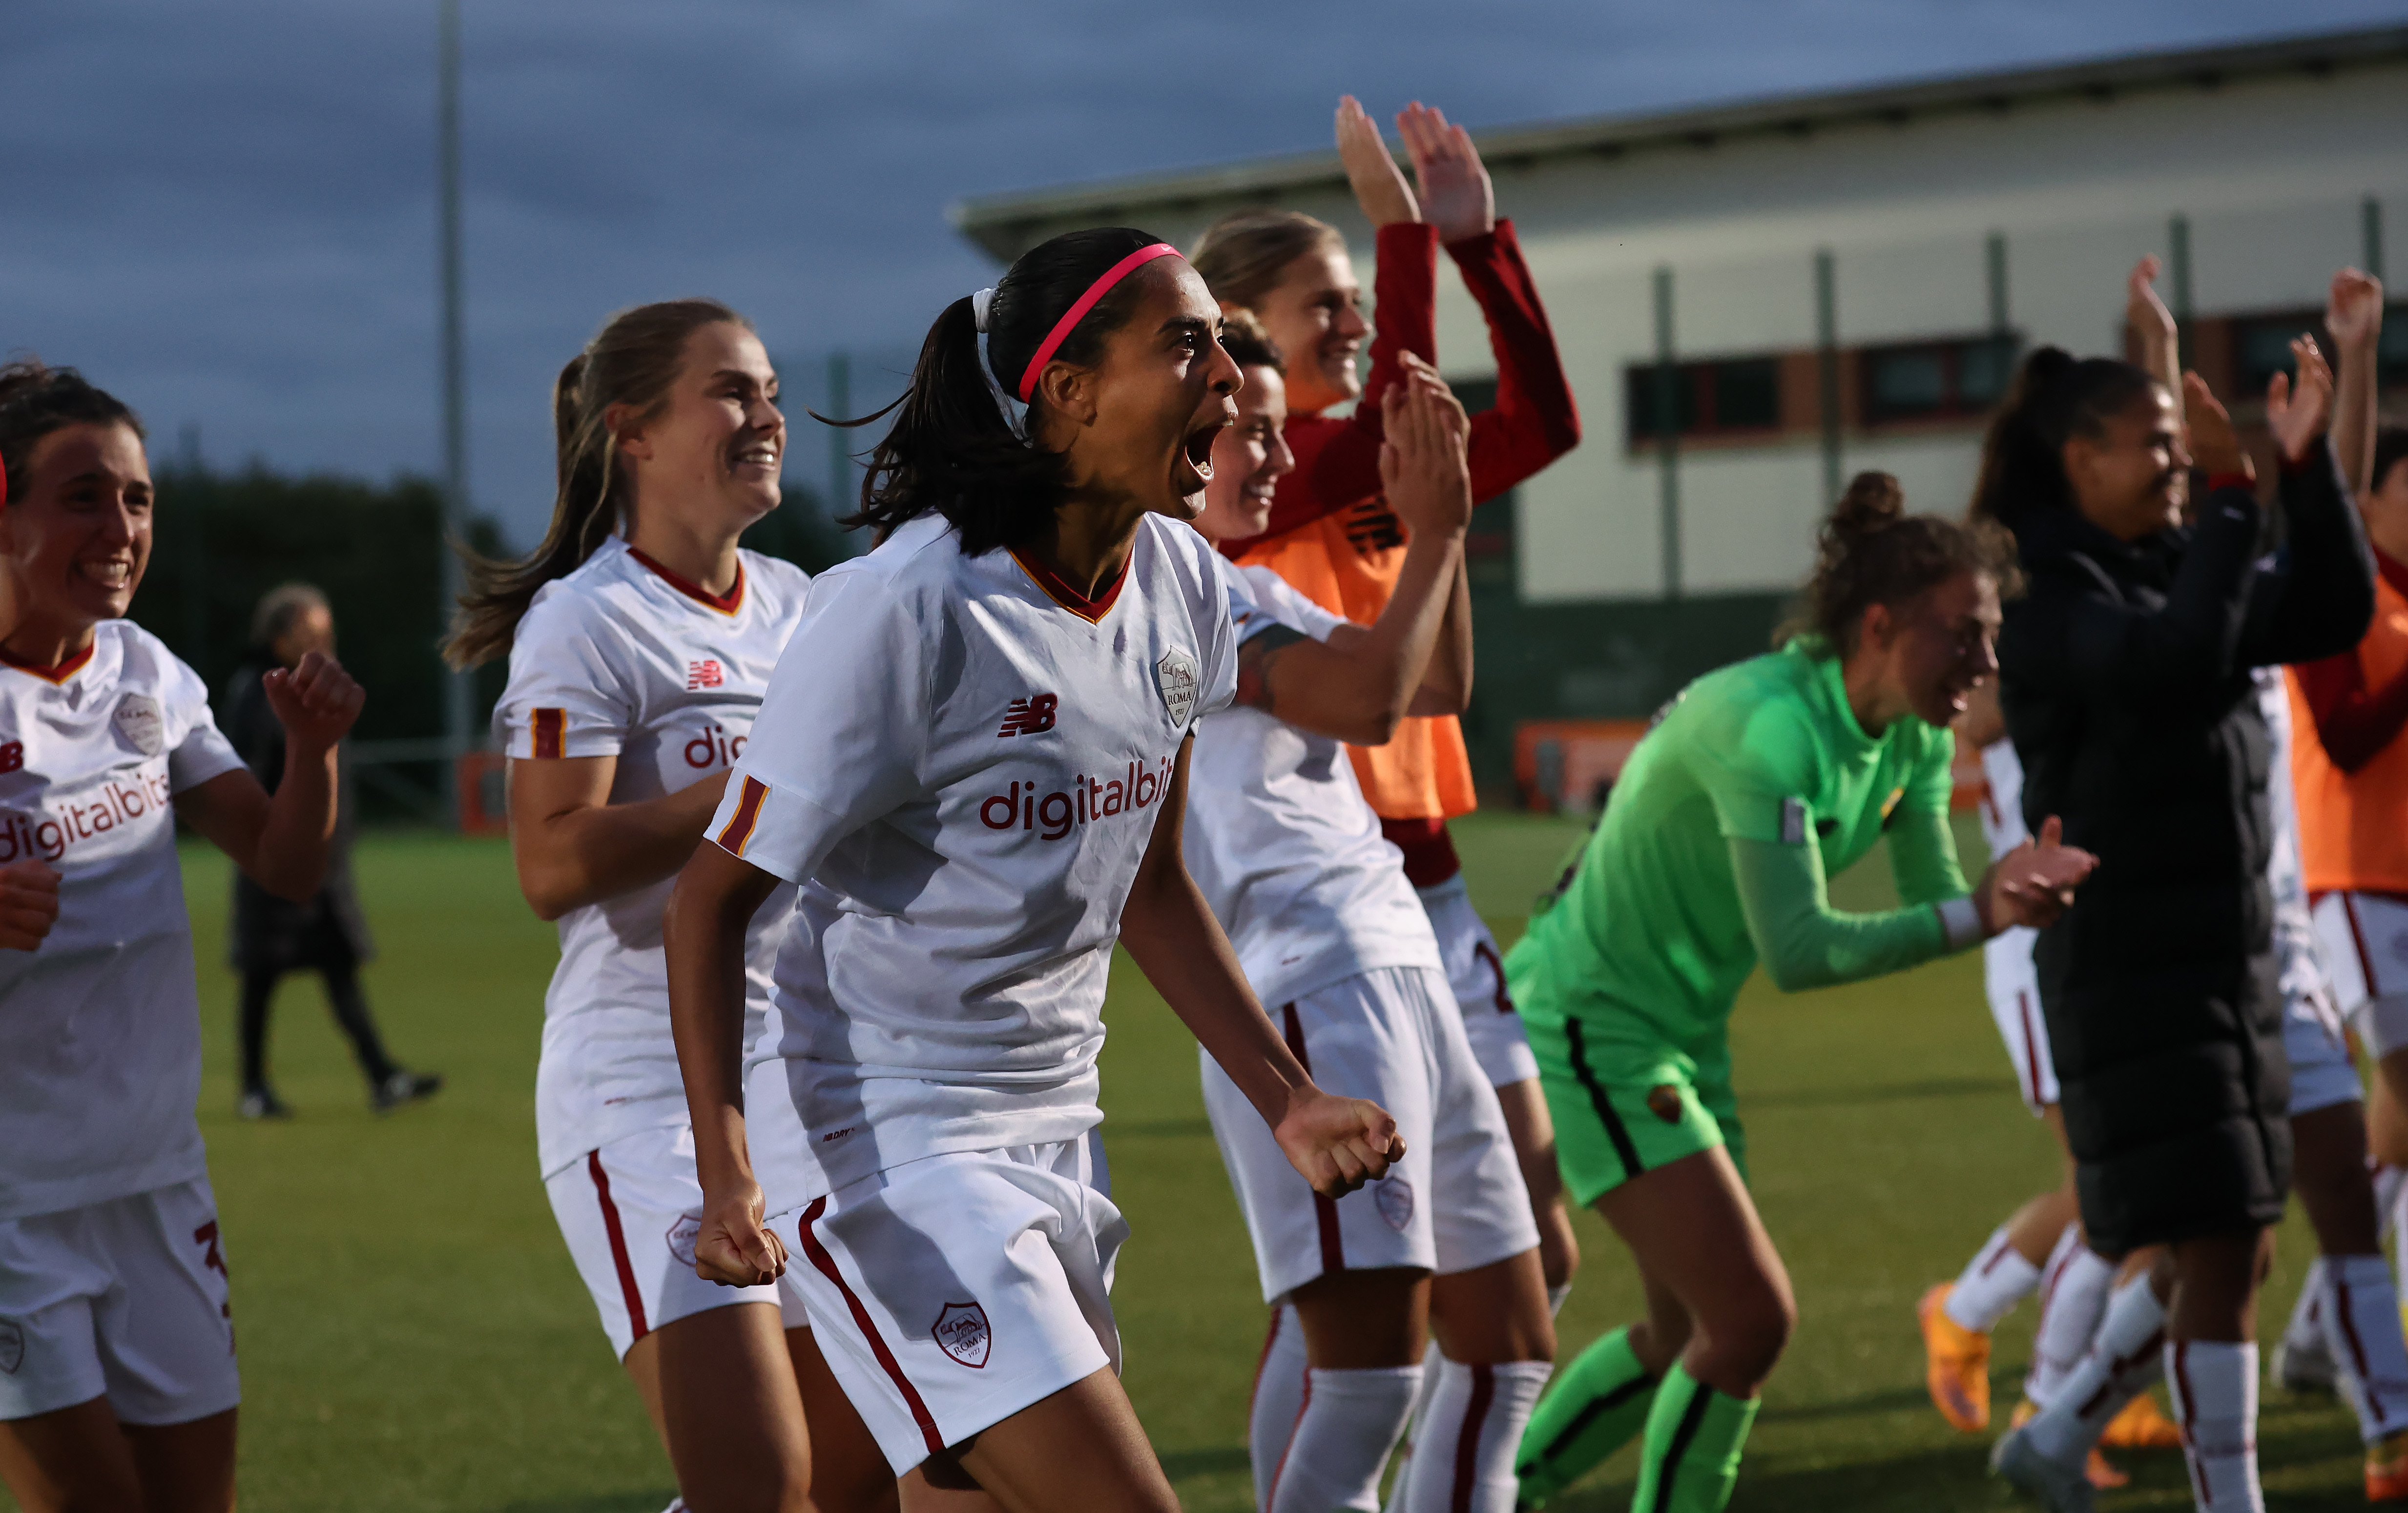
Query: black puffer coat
[(2124, 677)]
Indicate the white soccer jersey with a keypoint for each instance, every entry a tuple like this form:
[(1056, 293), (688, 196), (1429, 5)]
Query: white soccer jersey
[(967, 767), (2298, 954), (1281, 841), (624, 658), (100, 1035)]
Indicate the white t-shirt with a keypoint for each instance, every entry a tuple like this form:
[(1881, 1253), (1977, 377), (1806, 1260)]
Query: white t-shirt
[(100, 1034), (1281, 841), (622, 659), (967, 766)]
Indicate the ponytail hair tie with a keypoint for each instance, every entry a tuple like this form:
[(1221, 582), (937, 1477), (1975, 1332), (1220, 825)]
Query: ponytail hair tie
[(979, 304)]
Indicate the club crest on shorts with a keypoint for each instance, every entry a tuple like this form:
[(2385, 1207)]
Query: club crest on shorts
[(139, 719), (12, 1346), (1394, 1197), (961, 1331), (1663, 1101), (680, 1238), (1174, 676)]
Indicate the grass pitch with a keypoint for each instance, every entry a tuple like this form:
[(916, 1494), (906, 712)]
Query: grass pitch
[(413, 1336)]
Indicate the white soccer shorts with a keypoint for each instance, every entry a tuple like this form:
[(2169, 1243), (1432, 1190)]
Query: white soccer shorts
[(2013, 988), (951, 1292), (125, 1300), (2365, 938), (1476, 970), (2322, 1074), (1454, 1204), (629, 1212)]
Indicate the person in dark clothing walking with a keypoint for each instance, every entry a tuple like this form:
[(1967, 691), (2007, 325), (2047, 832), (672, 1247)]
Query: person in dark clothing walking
[(271, 937), (2126, 680)]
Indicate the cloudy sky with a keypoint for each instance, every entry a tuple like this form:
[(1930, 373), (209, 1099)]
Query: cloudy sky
[(226, 210)]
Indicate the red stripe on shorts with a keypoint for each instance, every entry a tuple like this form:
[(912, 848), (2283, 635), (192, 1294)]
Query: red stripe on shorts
[(2357, 938), (1325, 1209), (825, 1265), (2031, 1057), (1467, 1446), (618, 1245)]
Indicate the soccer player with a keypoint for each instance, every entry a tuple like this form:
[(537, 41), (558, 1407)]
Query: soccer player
[(641, 638), (2126, 685), (1332, 536), (1753, 786), (1318, 909), (972, 759), (118, 1386)]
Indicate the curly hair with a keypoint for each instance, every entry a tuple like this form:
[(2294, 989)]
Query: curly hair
[(1872, 552)]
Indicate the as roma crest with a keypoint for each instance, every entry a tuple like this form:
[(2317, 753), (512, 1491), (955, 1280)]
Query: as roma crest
[(139, 719), (1175, 677), (680, 1238), (961, 1331), (1394, 1197)]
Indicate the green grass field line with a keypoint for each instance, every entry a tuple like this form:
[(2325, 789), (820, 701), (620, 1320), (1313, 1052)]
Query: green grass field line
[(413, 1336)]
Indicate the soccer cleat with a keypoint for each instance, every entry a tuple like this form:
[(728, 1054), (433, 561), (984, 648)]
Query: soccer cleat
[(261, 1103), (1957, 1364), (2387, 1470), (2142, 1426), (2301, 1367), (2103, 1472), (402, 1088), (2060, 1487)]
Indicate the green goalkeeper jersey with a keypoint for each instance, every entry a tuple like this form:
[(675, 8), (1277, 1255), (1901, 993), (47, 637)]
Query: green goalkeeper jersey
[(1754, 786)]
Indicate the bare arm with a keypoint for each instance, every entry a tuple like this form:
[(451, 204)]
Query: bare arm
[(2354, 316), (1338, 1144), (1446, 688), (280, 842), (2153, 328), (703, 930), (573, 847), (1360, 682)]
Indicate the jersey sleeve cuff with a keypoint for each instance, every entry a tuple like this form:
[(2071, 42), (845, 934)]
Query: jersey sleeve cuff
[(1960, 921), (779, 832)]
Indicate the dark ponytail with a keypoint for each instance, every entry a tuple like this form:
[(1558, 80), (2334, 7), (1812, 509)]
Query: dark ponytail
[(2055, 396), (953, 448), (632, 361), (36, 400), (1872, 552)]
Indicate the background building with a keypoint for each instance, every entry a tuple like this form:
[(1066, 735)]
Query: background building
[(1756, 301)]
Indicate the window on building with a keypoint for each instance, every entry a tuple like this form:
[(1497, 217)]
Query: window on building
[(1725, 396), (1950, 380), (2261, 346)]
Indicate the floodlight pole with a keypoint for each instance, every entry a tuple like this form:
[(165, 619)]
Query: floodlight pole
[(455, 387)]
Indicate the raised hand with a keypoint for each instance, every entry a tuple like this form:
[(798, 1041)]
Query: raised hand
[(2354, 310), (1455, 194), (2215, 445), (1379, 188), (316, 702), (2034, 883), (2143, 312), (1422, 468), (1338, 1144), (2299, 413), (29, 903), (734, 1248)]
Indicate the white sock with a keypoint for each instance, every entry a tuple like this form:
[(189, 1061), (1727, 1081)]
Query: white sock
[(1351, 1421), (2359, 1312), (1434, 1362), (2215, 1390), (2072, 1303), (1996, 1279), (1278, 1400), (2387, 1182), (1475, 1423), (2122, 1361), (2306, 1330), (1555, 1296)]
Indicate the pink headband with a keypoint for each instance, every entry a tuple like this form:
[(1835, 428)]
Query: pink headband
[(1086, 302)]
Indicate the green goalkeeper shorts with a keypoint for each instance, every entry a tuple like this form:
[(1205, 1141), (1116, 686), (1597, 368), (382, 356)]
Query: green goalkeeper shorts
[(1626, 1101)]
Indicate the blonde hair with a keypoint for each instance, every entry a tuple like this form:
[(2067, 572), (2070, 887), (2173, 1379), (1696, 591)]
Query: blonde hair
[(1243, 255)]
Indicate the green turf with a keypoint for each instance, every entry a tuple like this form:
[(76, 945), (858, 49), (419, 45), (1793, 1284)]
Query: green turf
[(413, 1336)]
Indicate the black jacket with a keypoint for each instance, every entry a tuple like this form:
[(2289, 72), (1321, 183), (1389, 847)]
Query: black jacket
[(273, 935), (2125, 676)]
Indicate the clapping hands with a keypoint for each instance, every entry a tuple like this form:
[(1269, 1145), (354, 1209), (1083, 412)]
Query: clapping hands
[(1455, 193)]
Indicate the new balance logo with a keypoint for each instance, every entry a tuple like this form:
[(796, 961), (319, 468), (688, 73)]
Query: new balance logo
[(1032, 716), (704, 675)]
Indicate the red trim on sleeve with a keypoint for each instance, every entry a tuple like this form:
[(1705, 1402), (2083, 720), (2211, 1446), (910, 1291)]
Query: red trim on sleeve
[(727, 604), (2230, 480), (1059, 589), (550, 733), (738, 833), (59, 674), (825, 1265)]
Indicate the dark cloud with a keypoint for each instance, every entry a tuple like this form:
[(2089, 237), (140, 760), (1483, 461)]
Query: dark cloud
[(226, 212)]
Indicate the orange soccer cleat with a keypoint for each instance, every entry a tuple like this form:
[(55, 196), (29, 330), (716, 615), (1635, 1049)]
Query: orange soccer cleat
[(2097, 1469), (1956, 1364), (2387, 1470), (2142, 1426)]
